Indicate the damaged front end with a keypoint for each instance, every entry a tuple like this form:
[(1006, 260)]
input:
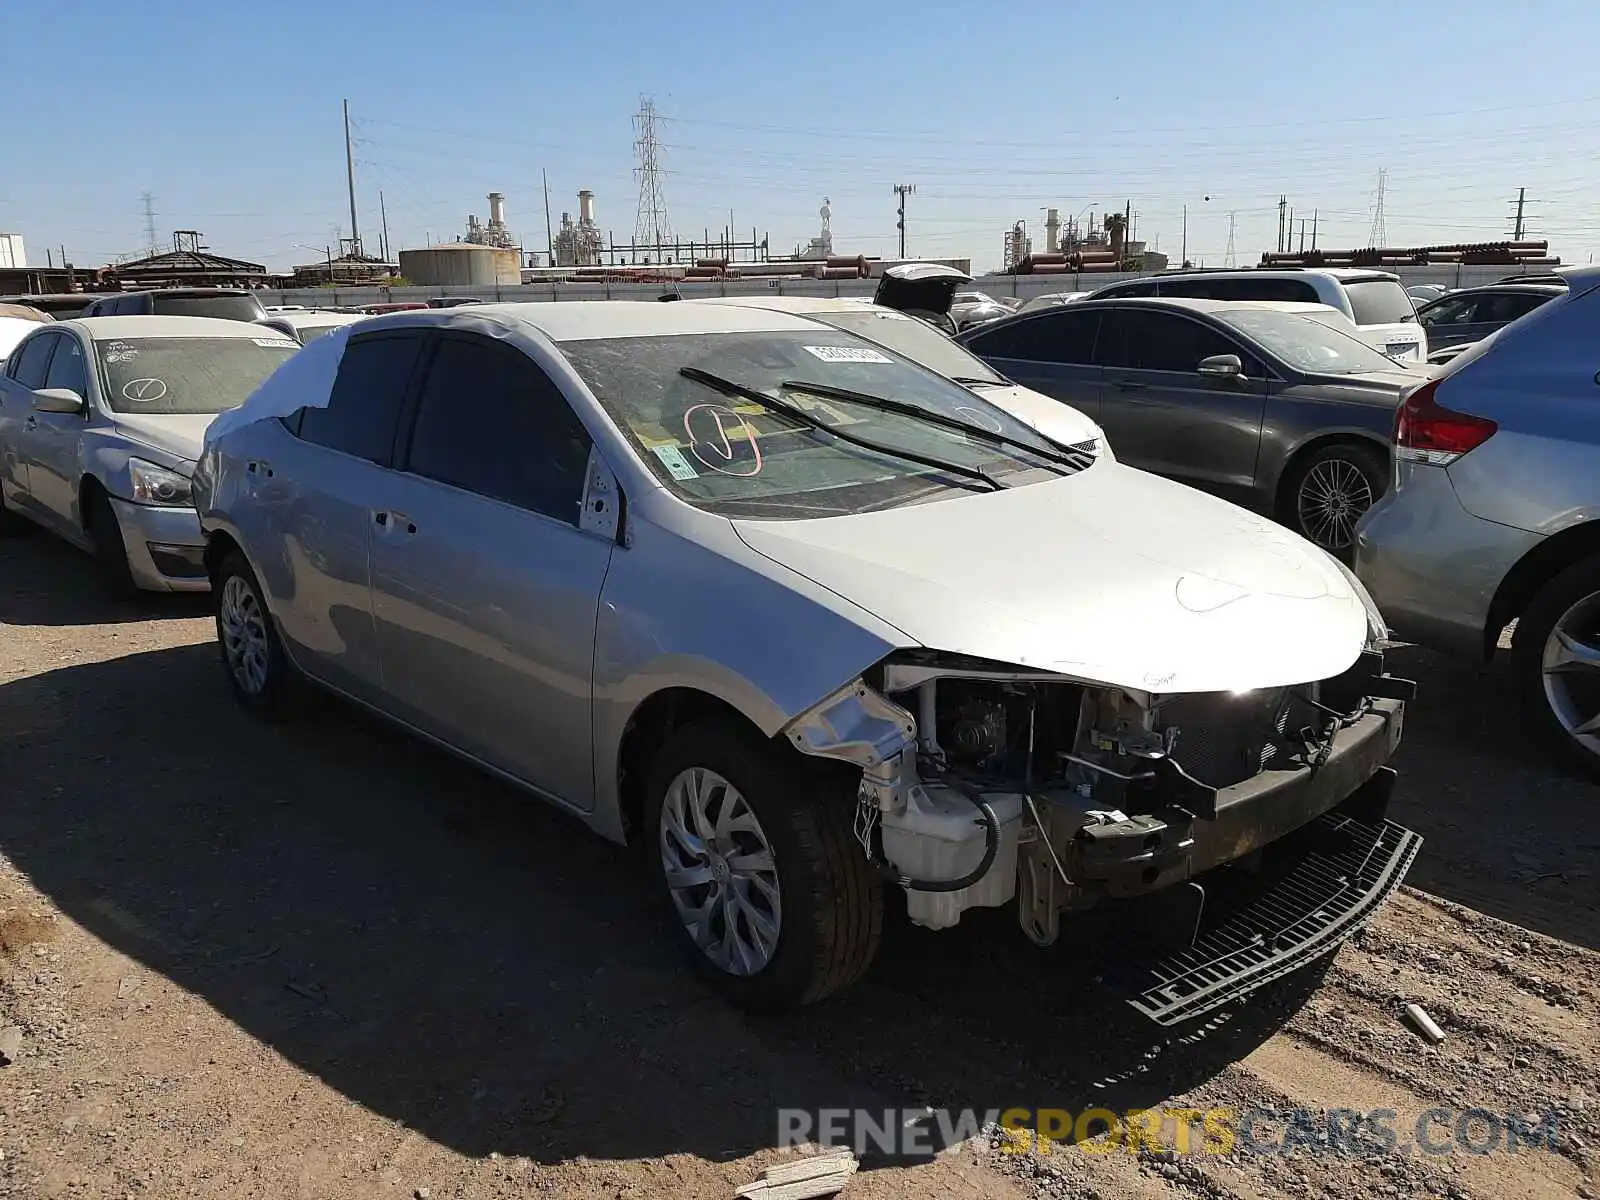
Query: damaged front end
[(984, 784)]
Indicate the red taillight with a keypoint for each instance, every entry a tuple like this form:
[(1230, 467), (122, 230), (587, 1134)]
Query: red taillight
[(1427, 432)]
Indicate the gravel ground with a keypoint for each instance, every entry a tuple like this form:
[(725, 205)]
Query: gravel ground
[(325, 961)]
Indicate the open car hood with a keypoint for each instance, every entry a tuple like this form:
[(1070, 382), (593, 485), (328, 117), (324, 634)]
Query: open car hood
[(919, 287), (1112, 576)]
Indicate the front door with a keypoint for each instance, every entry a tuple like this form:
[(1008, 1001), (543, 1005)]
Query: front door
[(485, 592), (55, 466), (1160, 414)]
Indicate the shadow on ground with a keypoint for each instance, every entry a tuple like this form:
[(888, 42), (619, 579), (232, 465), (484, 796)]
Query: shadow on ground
[(48, 582), (454, 956)]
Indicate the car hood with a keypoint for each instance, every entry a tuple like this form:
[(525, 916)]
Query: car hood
[(1112, 576), (1057, 421), (179, 435)]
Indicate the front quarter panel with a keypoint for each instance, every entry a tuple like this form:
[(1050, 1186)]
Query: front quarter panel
[(693, 607), (1299, 413)]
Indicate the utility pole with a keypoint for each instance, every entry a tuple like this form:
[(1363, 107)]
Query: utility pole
[(1183, 255), (383, 215), (549, 237), (350, 178), (151, 247), (1516, 233), (1283, 207), (1315, 213), (1302, 235), (902, 190)]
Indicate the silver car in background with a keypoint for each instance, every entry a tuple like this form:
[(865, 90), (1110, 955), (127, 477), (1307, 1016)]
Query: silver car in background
[(804, 620), (101, 419), (1494, 515)]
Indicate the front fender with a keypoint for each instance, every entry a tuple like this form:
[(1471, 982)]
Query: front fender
[(106, 458)]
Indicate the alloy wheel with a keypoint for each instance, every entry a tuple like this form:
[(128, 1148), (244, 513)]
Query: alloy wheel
[(720, 871), (1571, 672), (1333, 496), (244, 635)]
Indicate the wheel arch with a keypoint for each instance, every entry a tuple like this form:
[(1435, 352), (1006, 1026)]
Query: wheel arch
[(1532, 571), (1296, 458)]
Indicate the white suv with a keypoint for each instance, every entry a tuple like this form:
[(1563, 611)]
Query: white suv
[(1384, 314)]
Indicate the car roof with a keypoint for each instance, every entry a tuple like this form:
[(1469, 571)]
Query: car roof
[(1535, 289), (1290, 306), (1342, 274), (103, 328), (794, 304), (588, 320)]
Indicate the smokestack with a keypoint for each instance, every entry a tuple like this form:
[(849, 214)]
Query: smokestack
[(586, 207), (1052, 231), (497, 208)]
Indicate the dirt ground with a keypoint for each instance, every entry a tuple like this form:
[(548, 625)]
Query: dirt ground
[(324, 961)]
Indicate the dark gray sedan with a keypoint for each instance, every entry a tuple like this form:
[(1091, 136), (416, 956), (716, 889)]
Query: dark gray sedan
[(1471, 314), (1269, 409)]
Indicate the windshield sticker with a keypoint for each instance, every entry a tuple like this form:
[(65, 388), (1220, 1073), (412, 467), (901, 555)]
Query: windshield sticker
[(144, 391), (119, 352), (848, 354), (711, 429), (982, 419), (676, 464), (274, 343)]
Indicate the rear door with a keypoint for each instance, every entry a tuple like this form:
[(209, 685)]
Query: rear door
[(1052, 353), (312, 495), (485, 590), (1160, 414)]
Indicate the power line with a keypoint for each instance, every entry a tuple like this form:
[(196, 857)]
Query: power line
[(652, 227)]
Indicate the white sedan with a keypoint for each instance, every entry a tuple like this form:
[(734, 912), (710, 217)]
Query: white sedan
[(101, 420)]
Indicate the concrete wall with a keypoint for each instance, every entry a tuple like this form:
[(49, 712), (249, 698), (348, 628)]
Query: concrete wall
[(1025, 286)]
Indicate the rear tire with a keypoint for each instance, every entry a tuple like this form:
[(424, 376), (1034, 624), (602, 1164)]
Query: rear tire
[(1561, 628), (259, 673), (1329, 490), (110, 551), (792, 910)]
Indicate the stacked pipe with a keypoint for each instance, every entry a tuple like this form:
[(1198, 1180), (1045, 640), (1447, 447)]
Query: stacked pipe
[(857, 264), (1477, 253)]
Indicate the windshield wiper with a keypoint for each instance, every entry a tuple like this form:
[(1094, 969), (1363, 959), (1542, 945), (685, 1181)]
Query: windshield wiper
[(974, 381), (729, 388), (1062, 457)]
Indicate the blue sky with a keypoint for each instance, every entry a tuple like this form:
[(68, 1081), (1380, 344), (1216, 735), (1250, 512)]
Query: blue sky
[(230, 115)]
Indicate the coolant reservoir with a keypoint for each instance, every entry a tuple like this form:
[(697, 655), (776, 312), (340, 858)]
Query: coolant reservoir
[(940, 835)]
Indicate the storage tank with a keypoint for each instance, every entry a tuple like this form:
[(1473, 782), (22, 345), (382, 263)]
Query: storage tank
[(461, 264)]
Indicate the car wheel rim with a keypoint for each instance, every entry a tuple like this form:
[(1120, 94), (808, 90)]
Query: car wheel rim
[(720, 872), (1332, 498), (244, 635), (1571, 668)]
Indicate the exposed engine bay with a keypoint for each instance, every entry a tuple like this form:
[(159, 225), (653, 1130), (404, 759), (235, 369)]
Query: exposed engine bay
[(983, 784)]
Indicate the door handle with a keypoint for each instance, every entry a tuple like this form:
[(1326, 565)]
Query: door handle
[(1127, 385), (31, 423), (388, 520), (257, 467)]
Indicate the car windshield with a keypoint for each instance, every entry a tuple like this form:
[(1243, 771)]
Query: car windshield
[(170, 376), (916, 340), (739, 458), (1380, 302), (1305, 343)]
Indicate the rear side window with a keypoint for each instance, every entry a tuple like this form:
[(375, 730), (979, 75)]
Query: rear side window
[(1380, 302), (489, 421), (243, 307), (1506, 307), (363, 413), (1053, 337), (29, 365)]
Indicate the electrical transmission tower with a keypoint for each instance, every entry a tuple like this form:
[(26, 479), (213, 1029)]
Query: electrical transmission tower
[(1379, 235), (151, 247), (653, 227), (1227, 258), (903, 190)]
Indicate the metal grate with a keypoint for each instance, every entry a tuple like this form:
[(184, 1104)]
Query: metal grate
[(1224, 740), (1308, 913)]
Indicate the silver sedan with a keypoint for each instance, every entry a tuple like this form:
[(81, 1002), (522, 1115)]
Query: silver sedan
[(101, 419), (804, 621)]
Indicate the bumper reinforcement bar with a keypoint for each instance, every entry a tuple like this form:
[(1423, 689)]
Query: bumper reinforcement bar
[(1324, 898)]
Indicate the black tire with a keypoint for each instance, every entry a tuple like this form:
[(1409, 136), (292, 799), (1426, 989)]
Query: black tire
[(110, 551), (1534, 627), (830, 897), (1369, 481), (279, 694)]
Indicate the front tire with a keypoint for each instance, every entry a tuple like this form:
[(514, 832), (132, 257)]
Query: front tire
[(752, 854), (1555, 664), (110, 551), (1330, 490), (258, 671)]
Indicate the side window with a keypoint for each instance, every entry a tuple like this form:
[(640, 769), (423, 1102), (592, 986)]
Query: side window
[(67, 368), (1157, 341), (32, 364), (1507, 306), (1139, 287), (490, 421), (1190, 289), (363, 413), (1457, 310), (1055, 337)]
